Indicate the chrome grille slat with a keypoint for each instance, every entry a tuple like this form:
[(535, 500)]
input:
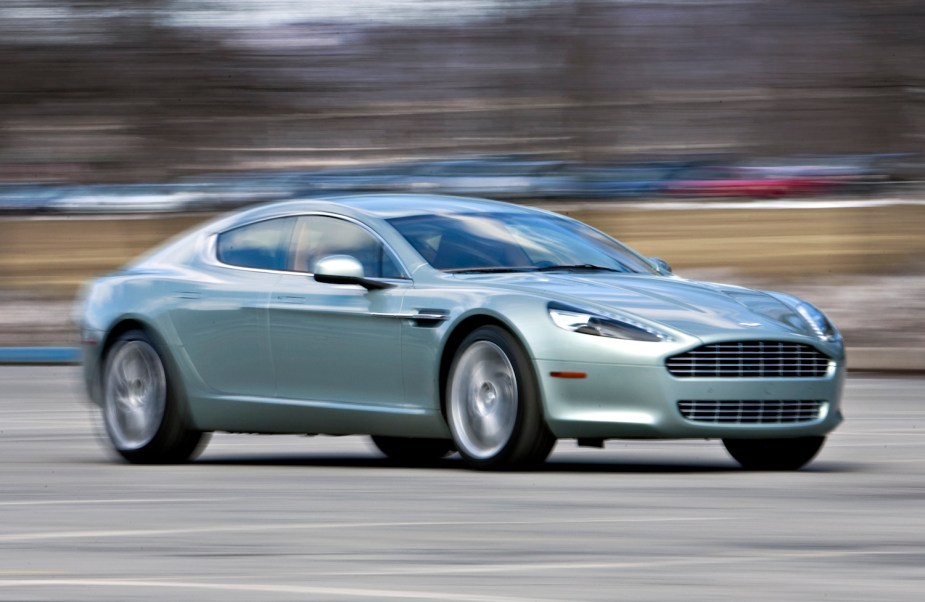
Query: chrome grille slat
[(750, 359), (751, 411)]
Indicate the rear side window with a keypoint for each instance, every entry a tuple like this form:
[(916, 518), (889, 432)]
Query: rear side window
[(262, 245)]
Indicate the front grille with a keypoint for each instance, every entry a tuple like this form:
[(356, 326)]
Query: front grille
[(750, 359), (751, 411)]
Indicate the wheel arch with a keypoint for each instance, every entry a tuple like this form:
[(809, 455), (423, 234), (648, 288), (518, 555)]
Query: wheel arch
[(124, 325), (128, 324), (455, 339)]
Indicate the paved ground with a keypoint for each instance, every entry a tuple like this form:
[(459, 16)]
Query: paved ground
[(290, 518)]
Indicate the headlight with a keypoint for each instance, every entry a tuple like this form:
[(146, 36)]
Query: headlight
[(576, 320), (813, 316)]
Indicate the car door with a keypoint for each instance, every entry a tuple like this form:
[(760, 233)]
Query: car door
[(337, 346), (222, 321)]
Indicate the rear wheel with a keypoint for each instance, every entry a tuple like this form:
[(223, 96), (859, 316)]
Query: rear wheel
[(144, 419), (413, 450), (774, 454), (492, 403)]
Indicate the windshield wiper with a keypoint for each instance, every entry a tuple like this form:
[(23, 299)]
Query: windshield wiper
[(578, 267), (488, 270)]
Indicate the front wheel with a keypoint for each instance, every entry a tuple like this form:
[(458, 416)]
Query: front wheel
[(144, 419), (774, 454), (492, 403)]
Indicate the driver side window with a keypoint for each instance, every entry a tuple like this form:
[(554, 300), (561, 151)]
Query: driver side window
[(317, 237)]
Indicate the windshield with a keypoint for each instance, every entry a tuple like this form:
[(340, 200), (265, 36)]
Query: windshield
[(502, 242)]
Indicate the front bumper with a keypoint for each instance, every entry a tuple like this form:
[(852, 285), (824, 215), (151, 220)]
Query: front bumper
[(641, 401)]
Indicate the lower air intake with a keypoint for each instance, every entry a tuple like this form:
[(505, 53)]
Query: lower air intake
[(746, 411)]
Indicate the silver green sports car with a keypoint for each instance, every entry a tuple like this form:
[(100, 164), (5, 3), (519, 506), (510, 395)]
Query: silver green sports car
[(439, 325)]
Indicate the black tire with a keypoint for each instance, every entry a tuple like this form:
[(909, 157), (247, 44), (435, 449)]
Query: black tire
[(774, 454), (493, 406), (144, 418), (409, 450)]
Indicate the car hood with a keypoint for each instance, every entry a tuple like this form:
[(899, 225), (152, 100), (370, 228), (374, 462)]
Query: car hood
[(695, 308)]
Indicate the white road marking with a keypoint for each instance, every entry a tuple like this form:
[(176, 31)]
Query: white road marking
[(443, 570), (614, 565), (267, 589), (111, 501), (237, 528)]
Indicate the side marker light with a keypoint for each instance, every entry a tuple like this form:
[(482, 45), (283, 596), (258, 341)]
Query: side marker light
[(568, 375)]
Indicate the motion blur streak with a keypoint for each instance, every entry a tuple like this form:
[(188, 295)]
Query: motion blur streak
[(152, 90), (203, 105)]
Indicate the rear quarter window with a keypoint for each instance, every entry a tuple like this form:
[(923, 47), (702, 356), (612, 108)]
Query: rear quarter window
[(262, 245)]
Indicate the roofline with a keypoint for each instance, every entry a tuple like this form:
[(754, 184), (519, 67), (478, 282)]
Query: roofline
[(364, 204)]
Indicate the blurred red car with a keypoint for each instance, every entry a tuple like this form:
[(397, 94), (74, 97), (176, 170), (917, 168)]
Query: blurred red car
[(717, 181)]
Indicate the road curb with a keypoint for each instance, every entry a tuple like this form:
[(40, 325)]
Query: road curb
[(861, 359)]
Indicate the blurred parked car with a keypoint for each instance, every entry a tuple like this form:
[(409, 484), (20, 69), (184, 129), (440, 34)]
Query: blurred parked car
[(732, 181), (125, 198), (636, 180), (500, 177), (28, 198)]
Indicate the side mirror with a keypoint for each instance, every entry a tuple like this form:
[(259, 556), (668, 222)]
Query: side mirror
[(344, 269), (661, 266), (339, 265)]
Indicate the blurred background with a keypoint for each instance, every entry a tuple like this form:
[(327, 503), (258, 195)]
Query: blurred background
[(771, 143)]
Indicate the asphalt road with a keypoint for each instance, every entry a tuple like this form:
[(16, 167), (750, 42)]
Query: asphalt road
[(292, 518)]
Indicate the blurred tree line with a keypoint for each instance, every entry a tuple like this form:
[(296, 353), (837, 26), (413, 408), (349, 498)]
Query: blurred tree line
[(131, 90)]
